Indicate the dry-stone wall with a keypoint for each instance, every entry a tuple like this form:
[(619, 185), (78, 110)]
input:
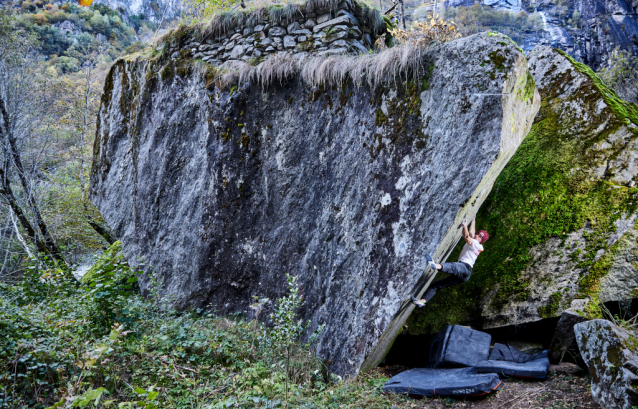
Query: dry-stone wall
[(313, 30)]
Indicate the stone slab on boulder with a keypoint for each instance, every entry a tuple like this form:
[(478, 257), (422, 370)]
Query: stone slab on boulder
[(223, 189), (611, 355)]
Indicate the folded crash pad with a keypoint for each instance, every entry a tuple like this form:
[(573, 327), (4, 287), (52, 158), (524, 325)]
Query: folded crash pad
[(509, 361), (459, 346), (532, 369), (443, 382), (502, 352)]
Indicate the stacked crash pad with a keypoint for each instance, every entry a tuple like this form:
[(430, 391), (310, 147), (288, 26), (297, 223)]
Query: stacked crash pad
[(509, 361), (479, 371), (455, 345)]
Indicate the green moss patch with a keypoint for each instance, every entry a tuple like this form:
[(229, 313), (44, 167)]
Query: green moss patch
[(627, 112), (552, 306), (498, 59), (113, 255)]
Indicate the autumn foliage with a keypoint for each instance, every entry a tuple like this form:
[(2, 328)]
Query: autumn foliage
[(427, 33)]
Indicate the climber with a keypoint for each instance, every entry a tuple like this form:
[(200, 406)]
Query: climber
[(461, 270)]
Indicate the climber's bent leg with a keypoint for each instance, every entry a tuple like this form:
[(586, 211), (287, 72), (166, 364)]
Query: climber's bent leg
[(439, 285), (460, 270), (459, 273)]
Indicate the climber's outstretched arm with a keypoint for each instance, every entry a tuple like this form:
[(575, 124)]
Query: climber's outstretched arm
[(466, 233)]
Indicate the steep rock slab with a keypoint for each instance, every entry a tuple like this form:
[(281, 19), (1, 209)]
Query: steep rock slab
[(224, 191), (557, 212), (611, 355)]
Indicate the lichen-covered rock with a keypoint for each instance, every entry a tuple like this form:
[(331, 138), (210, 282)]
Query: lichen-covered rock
[(611, 355), (225, 190), (557, 212)]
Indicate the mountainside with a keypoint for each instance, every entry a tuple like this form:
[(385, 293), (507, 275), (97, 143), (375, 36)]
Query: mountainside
[(223, 186), (68, 35), (153, 10), (562, 214), (588, 30)]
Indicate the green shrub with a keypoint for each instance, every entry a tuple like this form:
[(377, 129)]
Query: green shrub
[(55, 353), (66, 64)]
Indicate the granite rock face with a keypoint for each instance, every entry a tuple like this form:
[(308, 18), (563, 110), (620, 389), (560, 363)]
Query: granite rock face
[(611, 355), (225, 190), (562, 213), (556, 266)]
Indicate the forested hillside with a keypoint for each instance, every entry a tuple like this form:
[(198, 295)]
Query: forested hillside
[(67, 34)]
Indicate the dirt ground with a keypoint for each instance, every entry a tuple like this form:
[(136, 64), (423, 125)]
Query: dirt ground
[(565, 388)]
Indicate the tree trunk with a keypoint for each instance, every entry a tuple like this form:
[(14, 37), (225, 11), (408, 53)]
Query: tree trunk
[(11, 149), (20, 239), (402, 14), (99, 229), (6, 254), (17, 210)]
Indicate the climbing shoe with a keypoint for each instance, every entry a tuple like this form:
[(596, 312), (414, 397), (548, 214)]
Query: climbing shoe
[(430, 261), (418, 303)]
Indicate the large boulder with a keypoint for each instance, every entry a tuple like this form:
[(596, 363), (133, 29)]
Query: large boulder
[(561, 215), (611, 355), (225, 188)]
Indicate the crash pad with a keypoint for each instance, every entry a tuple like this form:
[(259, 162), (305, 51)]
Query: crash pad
[(503, 352), (509, 361), (443, 382), (455, 345), (533, 369)]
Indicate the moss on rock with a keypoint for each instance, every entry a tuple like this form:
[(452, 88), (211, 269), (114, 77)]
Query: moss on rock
[(113, 255)]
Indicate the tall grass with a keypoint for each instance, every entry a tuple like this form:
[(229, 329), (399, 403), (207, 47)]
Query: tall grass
[(391, 65)]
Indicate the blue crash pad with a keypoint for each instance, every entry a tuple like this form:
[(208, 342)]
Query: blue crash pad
[(455, 345), (509, 361), (443, 382)]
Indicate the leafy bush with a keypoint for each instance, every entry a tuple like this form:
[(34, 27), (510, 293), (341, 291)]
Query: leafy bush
[(56, 353), (425, 34)]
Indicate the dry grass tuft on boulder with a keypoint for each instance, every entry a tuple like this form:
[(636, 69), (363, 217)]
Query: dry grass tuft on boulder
[(391, 65)]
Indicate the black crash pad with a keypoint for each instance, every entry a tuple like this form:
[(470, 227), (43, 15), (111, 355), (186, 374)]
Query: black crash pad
[(509, 361), (459, 346), (502, 352), (532, 369), (443, 382)]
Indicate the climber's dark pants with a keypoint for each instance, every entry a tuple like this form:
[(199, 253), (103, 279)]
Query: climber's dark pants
[(459, 273)]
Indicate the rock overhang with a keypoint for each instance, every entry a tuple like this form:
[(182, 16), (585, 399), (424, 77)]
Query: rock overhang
[(224, 188), (573, 182)]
